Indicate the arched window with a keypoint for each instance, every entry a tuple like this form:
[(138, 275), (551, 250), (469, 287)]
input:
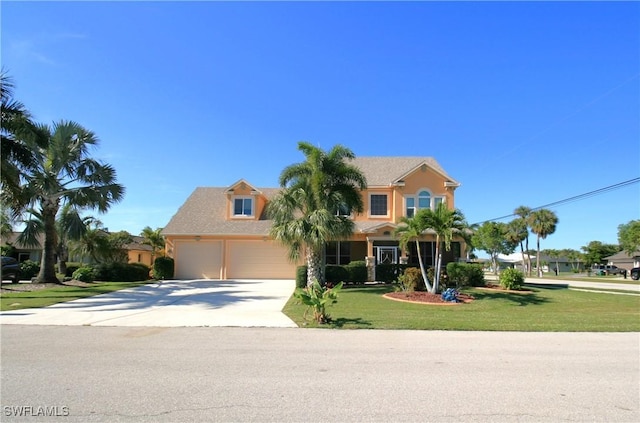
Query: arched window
[(424, 200)]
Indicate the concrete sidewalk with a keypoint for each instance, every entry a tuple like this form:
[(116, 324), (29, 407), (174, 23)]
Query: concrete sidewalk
[(244, 303)]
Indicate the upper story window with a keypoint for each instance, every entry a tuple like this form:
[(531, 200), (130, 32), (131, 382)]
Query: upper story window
[(378, 205), (422, 200), (343, 210), (243, 207)]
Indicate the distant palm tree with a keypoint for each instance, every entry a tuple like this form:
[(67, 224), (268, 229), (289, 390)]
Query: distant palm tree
[(517, 232), (306, 213), (64, 173), (543, 223), (523, 213), (445, 223), (153, 238)]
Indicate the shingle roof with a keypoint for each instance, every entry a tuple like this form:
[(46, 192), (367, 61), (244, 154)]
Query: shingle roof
[(383, 171), (203, 213)]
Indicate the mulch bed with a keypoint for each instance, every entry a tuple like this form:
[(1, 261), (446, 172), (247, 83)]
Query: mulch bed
[(421, 297), (27, 287)]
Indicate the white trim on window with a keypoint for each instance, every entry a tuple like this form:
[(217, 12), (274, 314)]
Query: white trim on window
[(242, 206), (415, 199)]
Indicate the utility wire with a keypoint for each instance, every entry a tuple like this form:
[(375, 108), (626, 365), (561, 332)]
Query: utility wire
[(574, 198)]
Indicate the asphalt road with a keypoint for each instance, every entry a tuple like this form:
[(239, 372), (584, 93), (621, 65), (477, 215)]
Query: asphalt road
[(123, 374)]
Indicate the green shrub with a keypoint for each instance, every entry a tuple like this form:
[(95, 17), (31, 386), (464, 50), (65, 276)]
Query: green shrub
[(412, 280), (465, 274), (29, 269), (357, 271), (389, 273), (301, 276), (83, 274), (144, 269), (336, 273), (511, 279), (72, 267), (163, 268), (317, 298), (120, 272)]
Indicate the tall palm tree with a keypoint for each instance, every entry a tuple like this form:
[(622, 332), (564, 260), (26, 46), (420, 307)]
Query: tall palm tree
[(445, 223), (70, 226), (306, 212), (17, 134), (64, 173), (153, 238), (543, 223), (523, 213), (411, 229)]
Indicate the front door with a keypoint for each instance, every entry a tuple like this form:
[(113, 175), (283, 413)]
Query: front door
[(387, 255)]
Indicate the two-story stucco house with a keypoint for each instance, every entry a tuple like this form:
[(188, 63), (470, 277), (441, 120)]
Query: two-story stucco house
[(222, 233)]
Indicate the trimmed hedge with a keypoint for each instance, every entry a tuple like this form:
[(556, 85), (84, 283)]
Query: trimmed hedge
[(163, 268), (389, 273), (357, 271), (301, 277), (336, 274), (121, 272), (83, 274)]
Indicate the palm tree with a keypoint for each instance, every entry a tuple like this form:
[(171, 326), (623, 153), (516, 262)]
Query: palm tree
[(17, 134), (445, 223), (517, 232), (70, 226), (153, 238), (523, 213), (63, 173), (411, 229), (543, 223), (306, 212)]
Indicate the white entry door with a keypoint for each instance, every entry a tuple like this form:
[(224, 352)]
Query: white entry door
[(387, 255)]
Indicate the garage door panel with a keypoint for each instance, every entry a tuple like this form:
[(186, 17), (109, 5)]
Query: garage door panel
[(258, 260), (198, 259)]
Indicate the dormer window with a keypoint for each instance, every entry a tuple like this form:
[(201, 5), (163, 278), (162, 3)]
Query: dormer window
[(243, 207)]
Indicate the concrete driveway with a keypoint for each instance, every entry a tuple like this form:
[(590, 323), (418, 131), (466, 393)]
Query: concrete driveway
[(245, 303)]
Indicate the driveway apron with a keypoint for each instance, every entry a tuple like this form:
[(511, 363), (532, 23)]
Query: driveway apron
[(243, 303)]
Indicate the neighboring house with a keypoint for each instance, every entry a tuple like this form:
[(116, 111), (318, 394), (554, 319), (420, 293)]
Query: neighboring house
[(22, 252), (547, 263), (223, 233), (137, 251), (623, 260)]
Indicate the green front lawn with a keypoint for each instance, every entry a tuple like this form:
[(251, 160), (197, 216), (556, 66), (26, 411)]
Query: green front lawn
[(545, 310), (58, 294)]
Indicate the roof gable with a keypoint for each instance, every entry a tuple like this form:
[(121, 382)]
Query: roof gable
[(386, 171)]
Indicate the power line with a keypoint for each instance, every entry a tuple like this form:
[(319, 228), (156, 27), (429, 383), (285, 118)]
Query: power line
[(574, 198)]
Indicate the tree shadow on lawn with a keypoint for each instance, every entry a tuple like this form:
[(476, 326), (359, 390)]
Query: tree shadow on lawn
[(341, 321), (521, 299)]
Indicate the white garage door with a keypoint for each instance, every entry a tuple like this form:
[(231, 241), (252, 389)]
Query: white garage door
[(198, 259), (258, 260)]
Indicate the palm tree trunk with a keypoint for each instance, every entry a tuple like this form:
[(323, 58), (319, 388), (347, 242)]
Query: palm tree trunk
[(48, 264), (314, 267), (528, 255), (436, 278), (422, 270), (538, 270)]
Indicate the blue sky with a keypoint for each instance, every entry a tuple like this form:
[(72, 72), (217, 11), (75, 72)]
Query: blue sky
[(523, 103)]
